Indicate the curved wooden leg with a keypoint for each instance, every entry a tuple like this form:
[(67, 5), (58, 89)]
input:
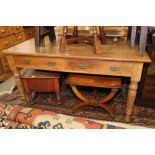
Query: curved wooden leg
[(106, 99), (93, 102), (107, 109), (78, 94), (78, 106), (109, 96)]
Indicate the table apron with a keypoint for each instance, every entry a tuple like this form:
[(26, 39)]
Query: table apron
[(88, 66)]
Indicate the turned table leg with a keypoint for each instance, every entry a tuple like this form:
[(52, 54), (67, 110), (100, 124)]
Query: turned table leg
[(131, 99), (135, 78), (20, 87)]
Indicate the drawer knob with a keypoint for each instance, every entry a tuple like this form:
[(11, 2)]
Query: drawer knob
[(2, 31), (6, 43), (114, 68), (19, 37), (25, 62), (82, 66), (51, 63)]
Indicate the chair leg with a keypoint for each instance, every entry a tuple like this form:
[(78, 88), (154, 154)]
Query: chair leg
[(57, 89), (63, 40), (75, 32), (96, 41), (102, 35)]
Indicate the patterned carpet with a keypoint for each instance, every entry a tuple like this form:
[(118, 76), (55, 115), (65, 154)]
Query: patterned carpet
[(141, 116)]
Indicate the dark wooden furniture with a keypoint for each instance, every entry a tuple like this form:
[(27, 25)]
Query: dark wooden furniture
[(40, 81), (41, 32), (95, 39), (10, 36), (94, 81)]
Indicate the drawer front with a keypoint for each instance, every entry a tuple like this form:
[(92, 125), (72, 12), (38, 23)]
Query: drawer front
[(20, 37), (5, 31), (17, 29), (29, 33), (5, 67), (75, 65), (100, 67), (7, 42)]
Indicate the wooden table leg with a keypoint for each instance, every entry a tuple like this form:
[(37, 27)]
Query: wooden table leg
[(16, 71), (131, 99), (135, 78), (20, 87)]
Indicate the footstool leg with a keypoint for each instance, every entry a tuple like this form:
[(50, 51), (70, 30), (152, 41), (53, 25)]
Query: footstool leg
[(106, 109), (106, 99), (109, 96), (57, 89), (78, 106)]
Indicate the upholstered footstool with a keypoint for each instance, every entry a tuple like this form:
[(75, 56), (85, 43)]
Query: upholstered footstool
[(93, 81)]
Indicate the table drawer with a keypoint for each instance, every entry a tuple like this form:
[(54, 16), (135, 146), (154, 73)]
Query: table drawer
[(17, 29), (20, 37), (5, 67), (75, 65), (40, 63), (5, 31), (7, 42), (100, 67)]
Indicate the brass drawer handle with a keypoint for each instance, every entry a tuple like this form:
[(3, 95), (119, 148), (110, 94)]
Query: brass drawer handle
[(6, 43), (51, 63), (114, 68), (19, 37), (25, 62), (82, 66), (2, 31)]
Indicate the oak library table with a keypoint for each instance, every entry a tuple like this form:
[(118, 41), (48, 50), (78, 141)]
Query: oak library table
[(118, 59)]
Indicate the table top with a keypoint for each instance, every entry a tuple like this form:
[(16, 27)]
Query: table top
[(112, 51)]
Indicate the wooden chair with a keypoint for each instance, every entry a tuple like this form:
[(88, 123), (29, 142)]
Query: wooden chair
[(40, 81), (93, 81), (41, 32), (95, 39)]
